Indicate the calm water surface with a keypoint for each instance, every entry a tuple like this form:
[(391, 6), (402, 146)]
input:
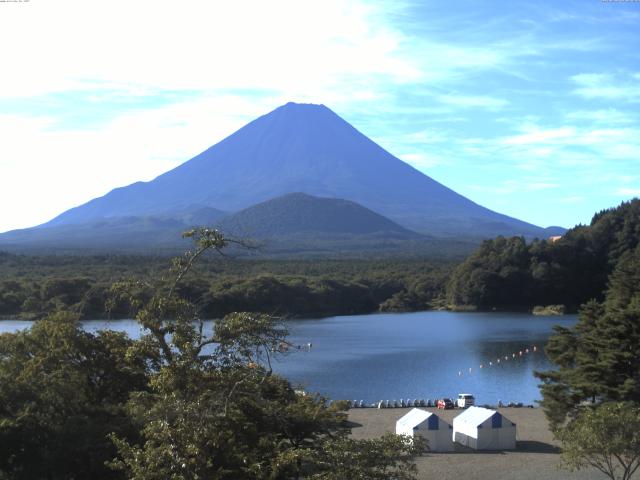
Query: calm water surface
[(410, 355)]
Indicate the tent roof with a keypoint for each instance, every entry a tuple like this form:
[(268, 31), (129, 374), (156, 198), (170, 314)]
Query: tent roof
[(475, 415), (413, 418)]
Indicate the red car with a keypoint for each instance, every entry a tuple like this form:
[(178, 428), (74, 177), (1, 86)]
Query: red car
[(444, 403)]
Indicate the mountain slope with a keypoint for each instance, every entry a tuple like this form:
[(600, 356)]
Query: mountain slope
[(128, 233), (303, 148), (297, 214)]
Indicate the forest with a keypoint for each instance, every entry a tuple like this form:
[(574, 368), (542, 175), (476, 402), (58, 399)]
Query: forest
[(31, 286), (509, 273), (503, 273)]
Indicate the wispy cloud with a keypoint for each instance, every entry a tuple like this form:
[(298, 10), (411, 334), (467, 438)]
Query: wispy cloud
[(420, 160), (608, 86), (473, 101), (628, 192), (572, 199), (609, 116), (507, 187), (543, 136)]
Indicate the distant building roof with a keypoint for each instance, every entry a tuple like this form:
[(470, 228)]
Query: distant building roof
[(555, 238)]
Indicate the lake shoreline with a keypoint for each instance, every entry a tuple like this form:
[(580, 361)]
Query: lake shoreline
[(533, 310), (422, 355)]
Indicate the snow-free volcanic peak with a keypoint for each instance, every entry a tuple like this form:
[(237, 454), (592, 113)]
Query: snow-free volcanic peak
[(302, 148)]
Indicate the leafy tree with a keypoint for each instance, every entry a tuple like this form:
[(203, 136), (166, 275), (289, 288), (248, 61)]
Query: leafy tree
[(606, 438), (368, 459), (216, 410), (62, 390)]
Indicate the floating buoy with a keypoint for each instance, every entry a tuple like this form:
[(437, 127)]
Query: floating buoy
[(518, 353)]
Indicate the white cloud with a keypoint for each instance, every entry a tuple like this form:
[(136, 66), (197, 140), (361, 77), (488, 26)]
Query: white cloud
[(512, 185), (541, 136), (302, 48), (473, 101), (535, 186), (420, 160), (628, 192), (608, 86), (572, 199), (427, 136), (610, 116)]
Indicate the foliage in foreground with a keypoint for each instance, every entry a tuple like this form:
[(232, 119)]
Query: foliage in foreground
[(62, 391), (606, 438), (180, 403)]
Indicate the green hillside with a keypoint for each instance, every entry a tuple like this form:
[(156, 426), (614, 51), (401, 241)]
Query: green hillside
[(300, 214), (508, 272)]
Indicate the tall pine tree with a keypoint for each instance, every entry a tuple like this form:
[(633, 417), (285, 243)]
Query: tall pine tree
[(598, 359)]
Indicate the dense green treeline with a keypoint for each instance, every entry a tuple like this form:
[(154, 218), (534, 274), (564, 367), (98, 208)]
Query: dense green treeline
[(509, 273), (30, 286)]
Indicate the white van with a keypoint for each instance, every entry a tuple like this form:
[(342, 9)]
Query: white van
[(465, 400)]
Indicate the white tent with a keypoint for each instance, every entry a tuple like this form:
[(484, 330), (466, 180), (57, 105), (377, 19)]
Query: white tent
[(428, 425), (484, 429)]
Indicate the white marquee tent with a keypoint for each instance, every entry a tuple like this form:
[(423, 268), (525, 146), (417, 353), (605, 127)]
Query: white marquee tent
[(428, 425), (484, 429)]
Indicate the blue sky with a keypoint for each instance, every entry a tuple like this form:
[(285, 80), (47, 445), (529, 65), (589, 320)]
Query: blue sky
[(528, 108)]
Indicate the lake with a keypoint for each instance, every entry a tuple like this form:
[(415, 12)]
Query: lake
[(408, 355)]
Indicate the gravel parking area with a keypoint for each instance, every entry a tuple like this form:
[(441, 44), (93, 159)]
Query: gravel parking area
[(536, 457)]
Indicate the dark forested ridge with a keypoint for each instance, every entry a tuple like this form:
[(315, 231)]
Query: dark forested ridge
[(30, 286), (511, 273), (299, 214), (291, 226)]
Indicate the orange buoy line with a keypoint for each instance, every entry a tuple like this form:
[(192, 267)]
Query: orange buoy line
[(515, 355)]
